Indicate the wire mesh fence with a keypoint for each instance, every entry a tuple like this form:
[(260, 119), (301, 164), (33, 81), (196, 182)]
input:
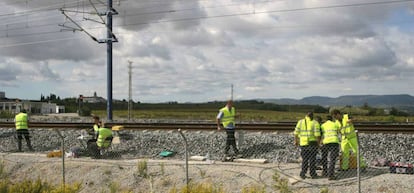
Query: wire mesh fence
[(262, 155)]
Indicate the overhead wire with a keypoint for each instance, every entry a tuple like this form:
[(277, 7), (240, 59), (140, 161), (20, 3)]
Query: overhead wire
[(31, 11), (26, 20), (225, 5), (157, 12), (250, 13)]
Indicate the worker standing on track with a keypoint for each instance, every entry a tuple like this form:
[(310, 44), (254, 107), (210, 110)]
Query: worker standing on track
[(226, 117), (307, 136), (349, 139), (330, 147), (21, 121)]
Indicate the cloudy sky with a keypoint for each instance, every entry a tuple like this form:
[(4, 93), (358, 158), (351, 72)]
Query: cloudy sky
[(194, 50)]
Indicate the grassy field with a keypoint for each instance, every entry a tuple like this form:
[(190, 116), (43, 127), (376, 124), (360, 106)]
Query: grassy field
[(245, 115)]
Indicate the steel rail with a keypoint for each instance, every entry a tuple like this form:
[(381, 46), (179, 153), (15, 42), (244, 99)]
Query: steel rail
[(363, 127)]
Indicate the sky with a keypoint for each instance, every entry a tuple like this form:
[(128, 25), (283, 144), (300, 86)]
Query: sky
[(207, 50)]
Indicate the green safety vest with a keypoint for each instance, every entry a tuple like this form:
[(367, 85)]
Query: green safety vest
[(330, 132), (228, 116), (347, 129), (103, 134), (21, 121), (307, 130), (96, 128)]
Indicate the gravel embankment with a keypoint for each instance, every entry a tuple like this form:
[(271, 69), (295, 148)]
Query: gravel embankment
[(276, 147)]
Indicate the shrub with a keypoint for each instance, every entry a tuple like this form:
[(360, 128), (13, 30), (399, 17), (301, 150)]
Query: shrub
[(198, 188), (142, 169), (29, 186), (6, 115), (281, 184)]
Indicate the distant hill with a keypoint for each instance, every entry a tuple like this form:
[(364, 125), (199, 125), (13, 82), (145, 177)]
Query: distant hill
[(402, 100)]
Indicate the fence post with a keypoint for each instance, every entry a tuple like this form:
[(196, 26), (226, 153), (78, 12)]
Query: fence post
[(63, 160), (186, 156), (358, 162)]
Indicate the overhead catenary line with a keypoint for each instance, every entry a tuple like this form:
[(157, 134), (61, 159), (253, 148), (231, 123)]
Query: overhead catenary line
[(207, 17), (250, 13), (50, 7), (96, 10), (36, 42), (79, 27)]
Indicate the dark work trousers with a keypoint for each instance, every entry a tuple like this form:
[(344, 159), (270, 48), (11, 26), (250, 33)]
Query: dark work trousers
[(331, 150), (308, 154), (20, 134), (230, 141), (93, 149)]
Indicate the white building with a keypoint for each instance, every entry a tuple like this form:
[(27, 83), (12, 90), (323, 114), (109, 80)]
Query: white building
[(93, 99), (33, 107)]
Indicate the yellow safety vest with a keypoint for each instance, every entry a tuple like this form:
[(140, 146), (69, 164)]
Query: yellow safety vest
[(96, 128), (228, 116), (347, 129), (103, 134), (21, 121), (307, 130), (330, 132)]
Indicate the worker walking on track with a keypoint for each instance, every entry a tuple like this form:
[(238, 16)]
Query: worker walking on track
[(307, 136), (21, 121), (330, 147), (226, 117), (349, 139)]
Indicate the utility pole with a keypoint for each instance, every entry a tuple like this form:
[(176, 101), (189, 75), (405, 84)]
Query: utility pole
[(129, 89), (109, 12), (109, 40), (231, 96)]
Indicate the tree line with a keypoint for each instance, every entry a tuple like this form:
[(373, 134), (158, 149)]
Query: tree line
[(73, 105)]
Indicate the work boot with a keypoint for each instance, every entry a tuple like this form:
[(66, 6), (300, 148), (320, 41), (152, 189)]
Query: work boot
[(29, 145)]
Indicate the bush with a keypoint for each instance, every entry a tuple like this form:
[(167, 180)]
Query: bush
[(6, 115), (85, 111), (198, 188), (29, 186)]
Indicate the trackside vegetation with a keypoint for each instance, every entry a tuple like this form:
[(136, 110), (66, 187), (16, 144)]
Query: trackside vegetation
[(250, 110), (279, 184)]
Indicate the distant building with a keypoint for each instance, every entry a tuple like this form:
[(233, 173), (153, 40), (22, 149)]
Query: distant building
[(2, 95), (60, 109), (93, 99), (33, 107)]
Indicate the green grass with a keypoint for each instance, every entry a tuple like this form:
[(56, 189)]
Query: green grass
[(245, 115)]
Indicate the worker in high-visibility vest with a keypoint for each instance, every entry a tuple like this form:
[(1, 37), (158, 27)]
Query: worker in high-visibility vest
[(103, 141), (307, 136), (21, 121), (91, 143), (349, 139), (330, 147), (226, 120), (94, 131), (104, 138)]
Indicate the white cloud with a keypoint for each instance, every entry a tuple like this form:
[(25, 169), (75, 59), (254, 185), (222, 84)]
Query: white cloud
[(194, 51)]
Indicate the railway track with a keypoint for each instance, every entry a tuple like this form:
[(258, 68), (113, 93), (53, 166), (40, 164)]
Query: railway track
[(363, 127)]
